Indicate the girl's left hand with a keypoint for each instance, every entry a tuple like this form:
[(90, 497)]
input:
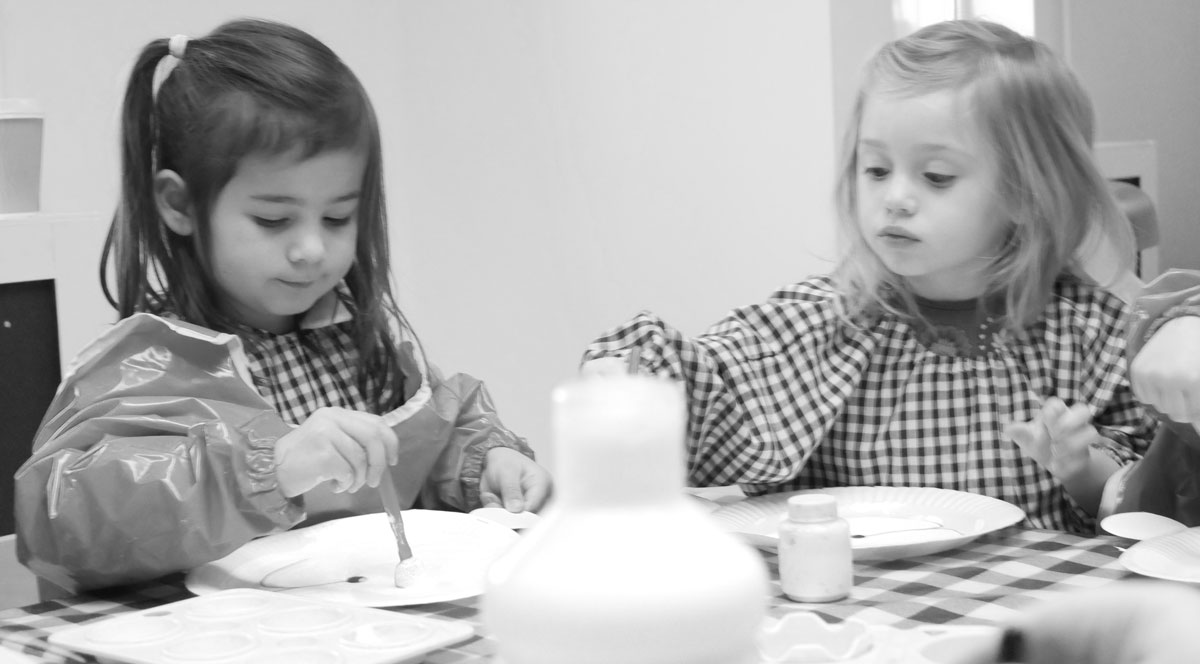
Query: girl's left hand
[(1059, 438), (513, 481), (1166, 372)]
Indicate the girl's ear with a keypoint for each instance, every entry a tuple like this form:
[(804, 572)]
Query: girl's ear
[(174, 202)]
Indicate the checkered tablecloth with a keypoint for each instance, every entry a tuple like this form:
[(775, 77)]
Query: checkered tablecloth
[(985, 582)]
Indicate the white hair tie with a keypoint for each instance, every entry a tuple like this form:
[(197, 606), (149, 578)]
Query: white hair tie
[(177, 45)]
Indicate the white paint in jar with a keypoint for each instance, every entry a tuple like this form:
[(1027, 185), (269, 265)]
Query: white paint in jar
[(816, 563)]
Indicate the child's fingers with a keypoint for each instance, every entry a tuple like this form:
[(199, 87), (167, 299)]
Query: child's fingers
[(1192, 407), (511, 494), (1145, 382), (1174, 405), (1031, 438), (1020, 433), (1053, 409), (536, 494), (537, 489), (604, 366), (1069, 421), (367, 427), (1180, 403), (375, 439), (355, 458)]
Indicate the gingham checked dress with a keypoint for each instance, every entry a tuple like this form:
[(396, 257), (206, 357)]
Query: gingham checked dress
[(303, 370), (788, 395)]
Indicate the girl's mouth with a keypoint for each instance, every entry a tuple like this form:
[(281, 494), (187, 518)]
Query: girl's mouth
[(296, 284), (897, 234)]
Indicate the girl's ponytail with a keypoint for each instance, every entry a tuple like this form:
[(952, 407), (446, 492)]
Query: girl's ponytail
[(135, 235)]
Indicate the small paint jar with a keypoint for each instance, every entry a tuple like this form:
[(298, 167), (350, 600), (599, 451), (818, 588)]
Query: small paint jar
[(815, 559)]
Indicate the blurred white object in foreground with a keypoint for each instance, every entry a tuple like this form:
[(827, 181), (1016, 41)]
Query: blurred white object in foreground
[(623, 566)]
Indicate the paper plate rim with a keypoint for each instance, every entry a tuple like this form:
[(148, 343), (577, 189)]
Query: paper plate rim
[(974, 515)]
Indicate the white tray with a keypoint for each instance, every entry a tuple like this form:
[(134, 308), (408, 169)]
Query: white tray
[(244, 626)]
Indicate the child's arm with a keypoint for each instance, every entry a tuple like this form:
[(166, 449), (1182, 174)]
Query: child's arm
[(1164, 369), (461, 417), (154, 457), (763, 386)]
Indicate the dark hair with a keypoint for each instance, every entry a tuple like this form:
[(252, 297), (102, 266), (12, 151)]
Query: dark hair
[(249, 87)]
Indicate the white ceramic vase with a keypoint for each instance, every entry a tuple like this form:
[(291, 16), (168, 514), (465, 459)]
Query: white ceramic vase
[(624, 566)]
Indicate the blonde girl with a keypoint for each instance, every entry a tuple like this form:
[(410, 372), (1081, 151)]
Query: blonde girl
[(957, 344)]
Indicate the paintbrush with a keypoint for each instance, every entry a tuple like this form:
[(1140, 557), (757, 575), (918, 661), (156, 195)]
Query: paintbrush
[(391, 505)]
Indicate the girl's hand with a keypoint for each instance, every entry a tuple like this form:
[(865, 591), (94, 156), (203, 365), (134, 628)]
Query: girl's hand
[(1064, 442), (349, 448), (1059, 438), (1166, 372), (514, 481)]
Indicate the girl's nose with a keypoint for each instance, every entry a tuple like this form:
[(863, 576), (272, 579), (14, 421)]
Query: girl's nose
[(900, 207), (306, 247), (899, 201)]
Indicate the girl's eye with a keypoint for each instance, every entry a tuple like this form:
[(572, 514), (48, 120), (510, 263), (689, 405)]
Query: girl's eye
[(876, 172), (269, 222), (940, 179), (339, 221)]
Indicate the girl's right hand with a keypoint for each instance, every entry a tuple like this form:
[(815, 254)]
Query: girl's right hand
[(1166, 372), (350, 448)]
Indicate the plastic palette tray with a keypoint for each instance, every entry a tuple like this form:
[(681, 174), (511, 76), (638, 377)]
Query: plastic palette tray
[(244, 625), (805, 638)]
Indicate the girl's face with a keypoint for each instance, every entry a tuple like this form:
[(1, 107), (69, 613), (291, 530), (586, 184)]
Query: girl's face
[(283, 233), (926, 187)]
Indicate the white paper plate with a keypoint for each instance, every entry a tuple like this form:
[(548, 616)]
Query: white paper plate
[(510, 520), (353, 560), (890, 522), (1174, 557)]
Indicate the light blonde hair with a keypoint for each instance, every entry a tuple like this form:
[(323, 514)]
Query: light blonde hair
[(1038, 123)]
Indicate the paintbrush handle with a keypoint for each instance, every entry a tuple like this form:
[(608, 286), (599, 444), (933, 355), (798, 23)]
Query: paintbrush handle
[(391, 505)]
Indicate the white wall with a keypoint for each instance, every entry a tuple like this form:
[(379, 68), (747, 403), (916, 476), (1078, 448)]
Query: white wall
[(1141, 64), (583, 160), (858, 28), (552, 166)]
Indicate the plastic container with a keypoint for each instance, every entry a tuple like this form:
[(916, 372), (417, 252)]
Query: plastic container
[(803, 637), (623, 566), (815, 559), (20, 156)]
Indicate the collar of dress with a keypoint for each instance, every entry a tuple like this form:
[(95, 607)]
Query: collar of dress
[(327, 311)]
